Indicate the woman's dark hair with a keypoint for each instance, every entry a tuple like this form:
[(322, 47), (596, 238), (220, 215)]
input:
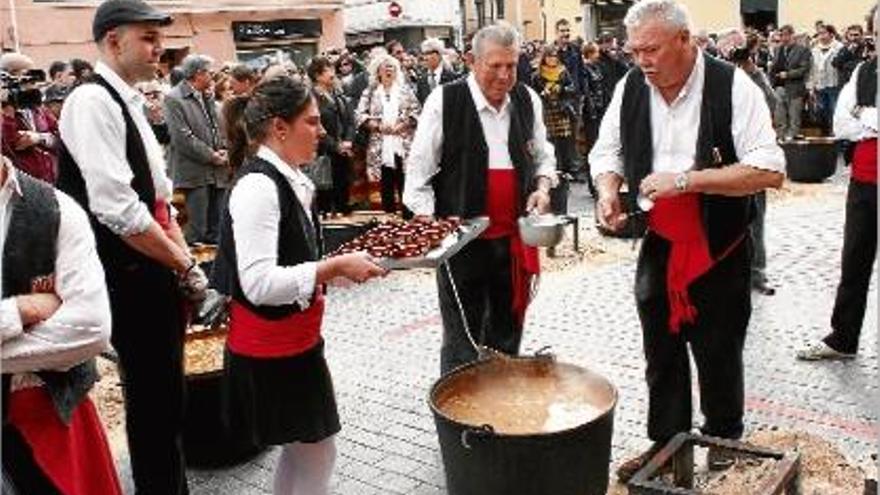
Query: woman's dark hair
[(236, 135), (346, 58), (549, 51), (317, 67), (80, 68), (248, 117)]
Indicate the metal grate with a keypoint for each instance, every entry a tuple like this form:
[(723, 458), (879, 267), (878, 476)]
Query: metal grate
[(680, 453)]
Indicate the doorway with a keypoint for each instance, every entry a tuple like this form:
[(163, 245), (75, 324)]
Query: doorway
[(759, 14)]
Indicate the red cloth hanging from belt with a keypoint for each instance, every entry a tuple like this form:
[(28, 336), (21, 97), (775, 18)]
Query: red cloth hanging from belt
[(502, 207), (678, 220), (252, 335), (864, 162), (74, 456)]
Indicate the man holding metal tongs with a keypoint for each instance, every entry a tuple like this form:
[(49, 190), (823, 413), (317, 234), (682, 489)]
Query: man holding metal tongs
[(692, 135), (481, 150)]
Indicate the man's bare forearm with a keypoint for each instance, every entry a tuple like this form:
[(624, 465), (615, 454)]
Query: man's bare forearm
[(608, 184), (155, 244), (733, 180), (176, 235)]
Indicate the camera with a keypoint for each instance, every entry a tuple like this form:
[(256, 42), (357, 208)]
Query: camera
[(20, 90)]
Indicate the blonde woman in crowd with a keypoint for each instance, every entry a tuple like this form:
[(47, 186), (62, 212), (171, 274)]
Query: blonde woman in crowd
[(388, 110)]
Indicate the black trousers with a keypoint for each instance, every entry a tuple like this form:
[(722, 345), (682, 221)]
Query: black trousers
[(859, 253), (566, 154), (341, 171), (723, 302), (756, 233), (482, 274), (392, 185), (148, 329)]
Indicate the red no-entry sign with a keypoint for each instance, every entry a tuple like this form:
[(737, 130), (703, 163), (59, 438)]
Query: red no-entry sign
[(394, 9)]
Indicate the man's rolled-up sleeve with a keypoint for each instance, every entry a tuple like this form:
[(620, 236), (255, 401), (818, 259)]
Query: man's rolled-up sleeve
[(607, 154), (753, 136), (93, 131), (424, 157)]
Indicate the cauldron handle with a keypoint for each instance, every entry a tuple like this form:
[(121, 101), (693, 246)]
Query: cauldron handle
[(482, 431), (545, 353)]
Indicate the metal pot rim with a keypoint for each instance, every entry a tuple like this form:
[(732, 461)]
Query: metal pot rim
[(521, 436)]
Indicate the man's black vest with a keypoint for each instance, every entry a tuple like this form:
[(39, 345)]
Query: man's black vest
[(29, 252), (725, 218), (866, 86), (299, 240), (460, 186), (114, 252)]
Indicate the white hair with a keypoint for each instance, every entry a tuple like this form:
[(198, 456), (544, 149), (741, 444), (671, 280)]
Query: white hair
[(433, 45), (501, 34), (376, 63), (670, 12), (192, 64)]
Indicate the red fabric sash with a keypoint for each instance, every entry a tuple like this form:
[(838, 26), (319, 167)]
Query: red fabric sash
[(864, 162), (678, 220), (252, 335), (162, 213), (74, 457), (501, 207)]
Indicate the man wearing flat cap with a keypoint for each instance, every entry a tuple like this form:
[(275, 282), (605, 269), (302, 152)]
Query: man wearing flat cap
[(112, 164)]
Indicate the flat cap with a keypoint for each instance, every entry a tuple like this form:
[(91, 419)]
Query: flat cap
[(114, 13)]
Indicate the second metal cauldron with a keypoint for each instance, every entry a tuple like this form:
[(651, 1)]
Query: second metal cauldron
[(810, 159)]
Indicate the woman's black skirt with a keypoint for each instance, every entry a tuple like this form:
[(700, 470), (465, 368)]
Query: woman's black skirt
[(274, 401)]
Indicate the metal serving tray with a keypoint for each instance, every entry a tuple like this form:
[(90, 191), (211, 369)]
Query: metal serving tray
[(465, 233)]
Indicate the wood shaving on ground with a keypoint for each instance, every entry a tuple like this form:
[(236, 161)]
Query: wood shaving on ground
[(107, 396), (744, 476), (824, 469), (594, 249), (204, 354)]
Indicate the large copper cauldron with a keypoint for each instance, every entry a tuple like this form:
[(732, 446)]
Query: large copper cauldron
[(524, 426)]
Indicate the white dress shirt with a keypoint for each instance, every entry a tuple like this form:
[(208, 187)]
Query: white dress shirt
[(847, 125), (93, 129), (80, 328), (674, 127), (424, 156), (253, 205)]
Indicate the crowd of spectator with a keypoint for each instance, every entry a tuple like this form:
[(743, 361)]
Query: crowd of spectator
[(370, 103)]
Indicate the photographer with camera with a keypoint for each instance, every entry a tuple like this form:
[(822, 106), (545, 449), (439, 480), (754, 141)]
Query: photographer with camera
[(30, 131)]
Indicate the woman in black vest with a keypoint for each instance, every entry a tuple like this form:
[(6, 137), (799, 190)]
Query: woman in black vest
[(270, 252)]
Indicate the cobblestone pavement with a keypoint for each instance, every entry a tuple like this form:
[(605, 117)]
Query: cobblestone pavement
[(383, 342)]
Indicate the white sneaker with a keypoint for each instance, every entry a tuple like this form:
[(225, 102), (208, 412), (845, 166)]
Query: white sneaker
[(821, 351)]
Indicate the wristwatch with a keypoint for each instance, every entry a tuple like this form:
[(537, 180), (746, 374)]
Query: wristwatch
[(681, 182)]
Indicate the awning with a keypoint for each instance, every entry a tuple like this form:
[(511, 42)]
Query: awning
[(752, 6)]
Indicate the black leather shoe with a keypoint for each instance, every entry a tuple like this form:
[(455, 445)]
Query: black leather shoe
[(763, 289)]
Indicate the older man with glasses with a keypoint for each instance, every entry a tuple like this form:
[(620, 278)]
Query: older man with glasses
[(435, 70), (197, 153)]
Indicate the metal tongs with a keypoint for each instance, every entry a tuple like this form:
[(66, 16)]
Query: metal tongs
[(485, 352)]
